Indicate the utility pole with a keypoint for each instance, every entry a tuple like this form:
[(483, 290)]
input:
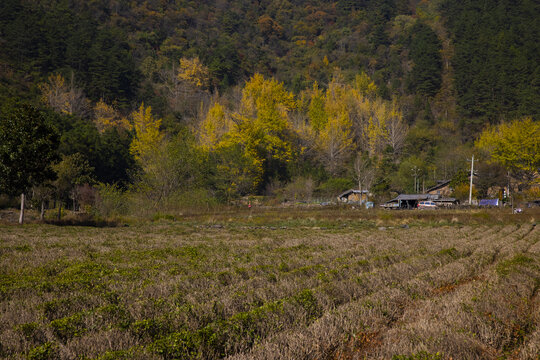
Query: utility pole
[(508, 198), (416, 171), (470, 185)]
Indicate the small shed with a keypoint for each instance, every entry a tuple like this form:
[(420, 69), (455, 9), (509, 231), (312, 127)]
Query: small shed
[(353, 196)]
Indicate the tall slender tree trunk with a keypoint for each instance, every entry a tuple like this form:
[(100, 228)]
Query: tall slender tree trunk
[(42, 213), (21, 215), (59, 210)]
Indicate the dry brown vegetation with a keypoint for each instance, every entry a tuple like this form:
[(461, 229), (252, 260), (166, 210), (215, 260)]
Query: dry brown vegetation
[(311, 284)]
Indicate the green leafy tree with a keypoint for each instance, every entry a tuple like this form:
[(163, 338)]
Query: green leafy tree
[(73, 171), (237, 173), (461, 177), (410, 175), (489, 176), (174, 168), (107, 152), (28, 145), (114, 162)]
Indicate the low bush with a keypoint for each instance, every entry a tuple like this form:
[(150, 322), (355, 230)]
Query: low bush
[(507, 266), (333, 186), (422, 355), (68, 327), (47, 351)]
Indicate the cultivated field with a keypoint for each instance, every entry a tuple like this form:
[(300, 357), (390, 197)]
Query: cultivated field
[(313, 284)]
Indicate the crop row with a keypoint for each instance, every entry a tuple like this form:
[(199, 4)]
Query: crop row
[(184, 291)]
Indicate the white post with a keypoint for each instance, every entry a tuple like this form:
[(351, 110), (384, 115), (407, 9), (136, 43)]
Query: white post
[(470, 185), (21, 215)]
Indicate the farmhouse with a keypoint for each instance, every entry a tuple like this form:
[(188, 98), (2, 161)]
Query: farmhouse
[(354, 196), (442, 188)]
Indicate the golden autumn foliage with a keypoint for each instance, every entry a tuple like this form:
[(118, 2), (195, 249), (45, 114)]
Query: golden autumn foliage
[(194, 72), (514, 145), (316, 112), (148, 137), (345, 116), (263, 122), (268, 127), (378, 122), (214, 126), (364, 85), (269, 27), (245, 140), (334, 138), (325, 61), (63, 96), (106, 116)]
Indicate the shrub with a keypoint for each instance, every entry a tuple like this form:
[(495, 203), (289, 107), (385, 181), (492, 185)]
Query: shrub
[(153, 328), (110, 200), (461, 192), (57, 308), (8, 202), (43, 352), (185, 344), (506, 267), (334, 187), (160, 216), (452, 252), (195, 199), (422, 355), (29, 329), (117, 315), (68, 327), (533, 193), (307, 300), (299, 188)]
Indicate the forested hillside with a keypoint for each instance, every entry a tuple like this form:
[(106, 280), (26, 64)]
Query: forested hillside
[(286, 98)]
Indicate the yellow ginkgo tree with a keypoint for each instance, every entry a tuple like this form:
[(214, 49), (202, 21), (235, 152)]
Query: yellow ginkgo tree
[(514, 145), (64, 96), (262, 123), (194, 72), (148, 136), (334, 137), (248, 143), (348, 116), (214, 126), (106, 116)]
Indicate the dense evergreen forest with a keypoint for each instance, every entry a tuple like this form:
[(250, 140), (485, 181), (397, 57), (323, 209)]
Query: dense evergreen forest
[(180, 101)]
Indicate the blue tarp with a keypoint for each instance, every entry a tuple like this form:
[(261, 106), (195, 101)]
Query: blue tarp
[(489, 202)]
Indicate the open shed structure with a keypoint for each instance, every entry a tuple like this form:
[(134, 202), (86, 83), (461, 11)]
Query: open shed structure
[(410, 201)]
